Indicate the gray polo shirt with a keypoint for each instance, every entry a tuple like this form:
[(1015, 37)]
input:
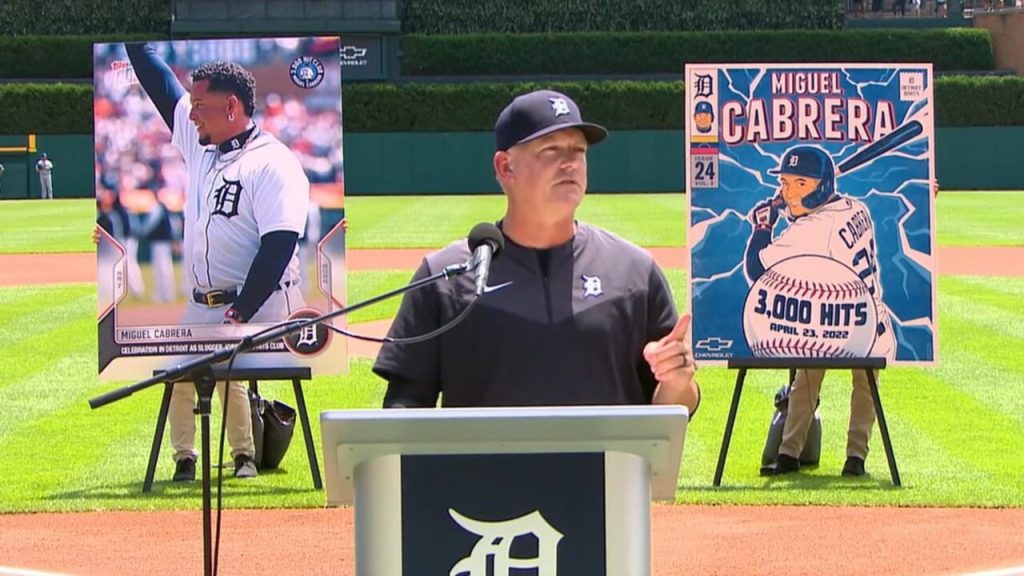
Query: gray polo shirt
[(573, 335)]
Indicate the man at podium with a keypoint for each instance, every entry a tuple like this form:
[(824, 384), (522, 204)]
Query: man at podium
[(573, 315)]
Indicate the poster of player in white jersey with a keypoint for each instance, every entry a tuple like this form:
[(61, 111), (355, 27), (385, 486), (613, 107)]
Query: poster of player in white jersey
[(220, 201), (812, 221)]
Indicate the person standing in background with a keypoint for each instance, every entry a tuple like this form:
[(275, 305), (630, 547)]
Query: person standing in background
[(45, 170)]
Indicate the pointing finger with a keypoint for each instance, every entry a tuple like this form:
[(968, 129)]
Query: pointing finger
[(680, 330)]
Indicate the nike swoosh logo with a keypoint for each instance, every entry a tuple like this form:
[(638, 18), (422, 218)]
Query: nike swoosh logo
[(496, 287)]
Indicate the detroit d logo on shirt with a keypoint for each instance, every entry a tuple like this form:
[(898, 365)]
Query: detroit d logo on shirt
[(591, 286), (307, 72), (225, 198)]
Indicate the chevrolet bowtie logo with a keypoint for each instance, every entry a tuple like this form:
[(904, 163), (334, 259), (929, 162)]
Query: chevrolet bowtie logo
[(352, 52), (714, 344)]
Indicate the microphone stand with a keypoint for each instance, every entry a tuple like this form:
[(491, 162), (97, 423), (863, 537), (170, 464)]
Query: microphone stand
[(201, 371)]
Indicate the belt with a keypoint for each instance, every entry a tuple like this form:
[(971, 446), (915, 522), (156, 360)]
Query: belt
[(215, 298)]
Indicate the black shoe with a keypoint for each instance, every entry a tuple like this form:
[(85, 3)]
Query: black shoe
[(784, 464), (245, 467), (854, 467), (185, 470)]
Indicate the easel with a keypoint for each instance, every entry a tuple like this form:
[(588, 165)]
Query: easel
[(869, 365), (296, 375)]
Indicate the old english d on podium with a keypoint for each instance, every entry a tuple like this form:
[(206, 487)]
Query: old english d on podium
[(503, 491)]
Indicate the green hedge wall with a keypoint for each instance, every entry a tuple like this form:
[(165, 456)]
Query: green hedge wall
[(56, 17), (980, 101), (582, 53), (46, 108), (428, 107), (666, 52), (482, 16), (33, 56)]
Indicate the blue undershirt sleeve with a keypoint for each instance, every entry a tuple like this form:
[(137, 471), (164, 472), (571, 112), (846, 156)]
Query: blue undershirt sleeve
[(276, 249), (157, 79)]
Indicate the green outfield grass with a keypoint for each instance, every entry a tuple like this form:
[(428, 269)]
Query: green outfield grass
[(981, 219), (956, 429), (964, 219)]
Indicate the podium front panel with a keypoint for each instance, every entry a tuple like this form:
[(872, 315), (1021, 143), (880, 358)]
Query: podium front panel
[(548, 513), (530, 511)]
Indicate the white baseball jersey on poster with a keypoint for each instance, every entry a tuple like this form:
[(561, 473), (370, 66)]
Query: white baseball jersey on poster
[(235, 198), (843, 231)]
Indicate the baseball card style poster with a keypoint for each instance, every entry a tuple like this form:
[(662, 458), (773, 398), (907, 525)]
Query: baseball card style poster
[(812, 220), (212, 157)]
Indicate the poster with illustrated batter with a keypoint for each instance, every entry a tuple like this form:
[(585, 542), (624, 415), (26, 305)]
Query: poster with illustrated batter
[(812, 216)]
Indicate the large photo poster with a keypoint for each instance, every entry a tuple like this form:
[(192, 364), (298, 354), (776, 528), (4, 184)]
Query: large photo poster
[(219, 199), (811, 229)]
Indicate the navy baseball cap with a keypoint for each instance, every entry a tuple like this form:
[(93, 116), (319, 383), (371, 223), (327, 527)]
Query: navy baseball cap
[(805, 161), (703, 107), (538, 113)]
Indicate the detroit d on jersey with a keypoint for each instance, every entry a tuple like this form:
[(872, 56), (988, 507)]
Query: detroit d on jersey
[(234, 199)]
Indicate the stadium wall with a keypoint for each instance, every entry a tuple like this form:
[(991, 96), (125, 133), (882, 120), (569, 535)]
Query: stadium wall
[(967, 158)]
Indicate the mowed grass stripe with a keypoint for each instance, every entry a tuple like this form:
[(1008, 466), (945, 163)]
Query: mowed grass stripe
[(963, 426), (32, 226), (1001, 285), (993, 310), (19, 301), (54, 456), (29, 357), (1000, 294), (46, 390), (918, 449), (995, 387), (994, 340), (647, 220), (364, 284), (34, 346), (417, 221), (917, 452), (988, 367), (980, 218)]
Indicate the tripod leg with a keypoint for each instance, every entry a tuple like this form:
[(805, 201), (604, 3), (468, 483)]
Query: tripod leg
[(307, 434), (728, 426), (205, 385), (883, 428), (158, 436)]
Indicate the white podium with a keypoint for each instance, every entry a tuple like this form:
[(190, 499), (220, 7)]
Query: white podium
[(468, 491)]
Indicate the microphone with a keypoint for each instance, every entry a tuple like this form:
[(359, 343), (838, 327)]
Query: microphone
[(486, 242)]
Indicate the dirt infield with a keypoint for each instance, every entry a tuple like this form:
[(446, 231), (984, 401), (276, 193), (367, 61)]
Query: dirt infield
[(724, 540), (701, 540)]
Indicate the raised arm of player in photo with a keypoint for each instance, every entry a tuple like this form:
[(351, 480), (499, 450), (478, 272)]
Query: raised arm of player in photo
[(157, 79), (168, 95)]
